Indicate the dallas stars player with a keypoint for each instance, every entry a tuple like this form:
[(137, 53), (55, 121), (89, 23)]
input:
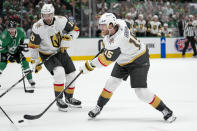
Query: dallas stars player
[(50, 34), (132, 59), (11, 47)]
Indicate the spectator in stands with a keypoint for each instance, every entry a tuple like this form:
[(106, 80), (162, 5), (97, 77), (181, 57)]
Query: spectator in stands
[(2, 26), (181, 25)]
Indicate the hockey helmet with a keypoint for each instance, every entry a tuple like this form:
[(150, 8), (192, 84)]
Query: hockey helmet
[(47, 13), (47, 9), (12, 28), (12, 24), (107, 18)]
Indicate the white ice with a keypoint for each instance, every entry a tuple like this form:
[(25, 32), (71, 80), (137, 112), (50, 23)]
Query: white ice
[(173, 80)]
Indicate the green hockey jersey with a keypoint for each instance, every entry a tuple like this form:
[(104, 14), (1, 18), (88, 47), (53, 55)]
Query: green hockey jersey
[(9, 44)]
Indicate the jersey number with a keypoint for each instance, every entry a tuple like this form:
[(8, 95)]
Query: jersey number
[(56, 39), (109, 54)]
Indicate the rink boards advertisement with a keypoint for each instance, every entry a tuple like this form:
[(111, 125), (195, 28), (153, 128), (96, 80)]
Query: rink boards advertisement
[(87, 48)]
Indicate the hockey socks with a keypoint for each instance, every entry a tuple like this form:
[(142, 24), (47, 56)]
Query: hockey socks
[(69, 92), (158, 104), (58, 88), (104, 98)]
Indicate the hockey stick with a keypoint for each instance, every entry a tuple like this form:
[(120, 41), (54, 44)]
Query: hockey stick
[(33, 117), (6, 115), (26, 75), (24, 86)]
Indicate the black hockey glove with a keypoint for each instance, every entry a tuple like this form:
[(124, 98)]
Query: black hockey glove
[(10, 57)]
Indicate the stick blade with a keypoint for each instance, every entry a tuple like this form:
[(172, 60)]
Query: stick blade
[(32, 117)]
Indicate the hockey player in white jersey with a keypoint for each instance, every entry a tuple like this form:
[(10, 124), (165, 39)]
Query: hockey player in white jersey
[(166, 32), (130, 21), (132, 59), (49, 35), (140, 26), (155, 27)]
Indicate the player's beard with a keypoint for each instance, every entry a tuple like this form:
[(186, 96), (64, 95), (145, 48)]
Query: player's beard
[(48, 21)]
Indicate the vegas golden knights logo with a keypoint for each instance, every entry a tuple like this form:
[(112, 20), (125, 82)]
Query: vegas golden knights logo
[(56, 39)]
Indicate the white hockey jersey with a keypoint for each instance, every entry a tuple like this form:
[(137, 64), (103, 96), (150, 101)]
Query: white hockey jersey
[(49, 38), (131, 22), (155, 27), (140, 25), (121, 47), (166, 32)]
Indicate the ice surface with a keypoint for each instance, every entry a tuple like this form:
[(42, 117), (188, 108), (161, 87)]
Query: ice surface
[(173, 80)]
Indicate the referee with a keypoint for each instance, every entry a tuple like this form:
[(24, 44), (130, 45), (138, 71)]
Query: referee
[(189, 34)]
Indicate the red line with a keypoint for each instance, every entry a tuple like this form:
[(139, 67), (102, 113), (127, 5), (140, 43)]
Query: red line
[(59, 84), (71, 88), (101, 62), (107, 90), (153, 100)]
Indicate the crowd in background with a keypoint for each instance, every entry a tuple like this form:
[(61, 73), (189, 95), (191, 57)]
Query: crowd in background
[(171, 12)]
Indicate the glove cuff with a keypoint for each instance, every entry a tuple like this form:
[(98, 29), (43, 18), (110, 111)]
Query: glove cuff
[(89, 66)]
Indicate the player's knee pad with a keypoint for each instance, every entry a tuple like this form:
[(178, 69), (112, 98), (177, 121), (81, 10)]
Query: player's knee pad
[(59, 75), (69, 78), (112, 84), (144, 94)]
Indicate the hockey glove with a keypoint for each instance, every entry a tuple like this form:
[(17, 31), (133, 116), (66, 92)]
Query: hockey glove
[(37, 66), (87, 67), (10, 57)]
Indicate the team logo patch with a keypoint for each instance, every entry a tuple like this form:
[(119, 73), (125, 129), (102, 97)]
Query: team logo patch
[(180, 44), (111, 40)]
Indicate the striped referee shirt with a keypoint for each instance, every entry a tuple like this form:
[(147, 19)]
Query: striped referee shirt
[(189, 30)]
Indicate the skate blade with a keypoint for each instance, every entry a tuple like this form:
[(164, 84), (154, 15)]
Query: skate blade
[(63, 109), (74, 106), (171, 119)]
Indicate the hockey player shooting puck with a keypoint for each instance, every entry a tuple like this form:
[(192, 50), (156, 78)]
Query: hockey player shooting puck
[(20, 121)]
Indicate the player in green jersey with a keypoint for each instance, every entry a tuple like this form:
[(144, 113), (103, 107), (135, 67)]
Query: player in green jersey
[(11, 47)]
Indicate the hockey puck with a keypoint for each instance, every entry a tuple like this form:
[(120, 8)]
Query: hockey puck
[(20, 121)]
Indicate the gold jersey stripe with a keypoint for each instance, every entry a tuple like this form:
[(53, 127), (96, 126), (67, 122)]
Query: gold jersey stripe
[(70, 90), (156, 101), (58, 88), (31, 45), (102, 59), (45, 53), (106, 94), (66, 38), (76, 28), (134, 58)]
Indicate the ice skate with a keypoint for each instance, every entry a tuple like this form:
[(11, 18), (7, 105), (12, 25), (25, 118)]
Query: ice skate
[(62, 106), (96, 111), (168, 115), (72, 102), (32, 83)]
